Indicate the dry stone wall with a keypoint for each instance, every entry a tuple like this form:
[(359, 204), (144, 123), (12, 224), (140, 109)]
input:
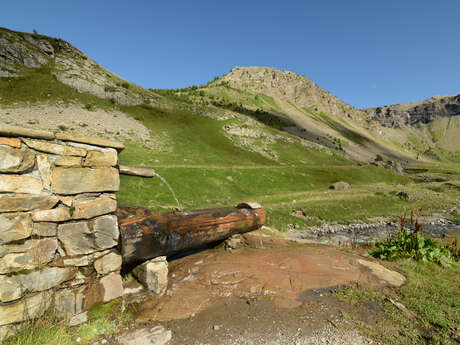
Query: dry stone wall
[(58, 229)]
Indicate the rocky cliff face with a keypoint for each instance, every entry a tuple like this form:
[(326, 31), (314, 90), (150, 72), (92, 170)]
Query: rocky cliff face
[(409, 114), (20, 52), (21, 49)]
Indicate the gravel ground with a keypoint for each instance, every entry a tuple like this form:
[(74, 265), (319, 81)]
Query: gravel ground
[(324, 336), (73, 118)]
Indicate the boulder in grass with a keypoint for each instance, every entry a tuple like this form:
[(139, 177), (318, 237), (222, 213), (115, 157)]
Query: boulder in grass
[(339, 185), (405, 196)]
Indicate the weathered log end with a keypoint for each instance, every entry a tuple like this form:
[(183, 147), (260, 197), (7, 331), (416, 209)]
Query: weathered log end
[(144, 235)]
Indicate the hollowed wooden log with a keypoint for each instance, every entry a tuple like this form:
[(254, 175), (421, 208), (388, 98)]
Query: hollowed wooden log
[(144, 235)]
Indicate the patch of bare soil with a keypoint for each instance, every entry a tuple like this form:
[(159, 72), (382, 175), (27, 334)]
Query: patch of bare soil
[(75, 119), (277, 295), (236, 321)]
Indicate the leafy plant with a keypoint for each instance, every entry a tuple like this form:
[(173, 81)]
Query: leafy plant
[(89, 107), (378, 158), (409, 243), (109, 88)]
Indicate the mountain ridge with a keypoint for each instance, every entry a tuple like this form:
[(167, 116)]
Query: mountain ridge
[(288, 101)]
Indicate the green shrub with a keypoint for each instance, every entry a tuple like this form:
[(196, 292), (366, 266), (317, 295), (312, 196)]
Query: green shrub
[(89, 107), (109, 88), (411, 244), (378, 158)]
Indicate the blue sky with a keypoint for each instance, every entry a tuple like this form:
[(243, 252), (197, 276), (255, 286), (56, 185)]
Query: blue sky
[(367, 53)]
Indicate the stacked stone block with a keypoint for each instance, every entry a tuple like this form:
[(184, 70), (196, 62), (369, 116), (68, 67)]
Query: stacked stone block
[(58, 230)]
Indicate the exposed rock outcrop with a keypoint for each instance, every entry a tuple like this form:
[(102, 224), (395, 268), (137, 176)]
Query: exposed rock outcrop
[(398, 115), (69, 65)]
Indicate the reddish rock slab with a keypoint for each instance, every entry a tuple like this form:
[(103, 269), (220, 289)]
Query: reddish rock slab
[(278, 274)]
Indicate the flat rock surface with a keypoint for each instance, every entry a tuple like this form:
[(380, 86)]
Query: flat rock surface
[(84, 180), (282, 274), (277, 292), (146, 336)]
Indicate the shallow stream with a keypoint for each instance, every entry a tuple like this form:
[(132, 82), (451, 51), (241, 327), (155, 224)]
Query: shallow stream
[(348, 235)]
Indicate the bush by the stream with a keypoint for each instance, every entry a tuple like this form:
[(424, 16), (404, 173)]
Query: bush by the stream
[(412, 244)]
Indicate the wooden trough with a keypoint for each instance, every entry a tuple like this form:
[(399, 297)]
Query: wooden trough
[(144, 235)]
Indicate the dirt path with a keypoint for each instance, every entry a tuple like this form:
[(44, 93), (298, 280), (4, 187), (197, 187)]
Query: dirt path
[(243, 167)]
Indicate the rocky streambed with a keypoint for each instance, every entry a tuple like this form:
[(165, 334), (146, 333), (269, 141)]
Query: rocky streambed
[(437, 226)]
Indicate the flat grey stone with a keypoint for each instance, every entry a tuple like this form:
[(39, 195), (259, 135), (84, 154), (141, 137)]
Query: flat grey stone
[(153, 274), (134, 171), (69, 302), (38, 252), (7, 331), (10, 289), (87, 209), (15, 226), (89, 140), (44, 167), (20, 184), (12, 203), (339, 185), (84, 180), (52, 147), (68, 161), (106, 231), (76, 238), (146, 336), (14, 131), (384, 274), (44, 229), (58, 214), (108, 263), (26, 309), (78, 319), (87, 237), (45, 278), (14, 160), (97, 158), (112, 286)]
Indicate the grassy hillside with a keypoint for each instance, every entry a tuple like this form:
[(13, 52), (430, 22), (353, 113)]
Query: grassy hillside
[(205, 169), (230, 141)]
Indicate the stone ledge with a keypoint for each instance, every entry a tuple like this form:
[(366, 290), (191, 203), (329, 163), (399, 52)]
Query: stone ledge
[(89, 140), (52, 147), (14, 131), (134, 171)]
